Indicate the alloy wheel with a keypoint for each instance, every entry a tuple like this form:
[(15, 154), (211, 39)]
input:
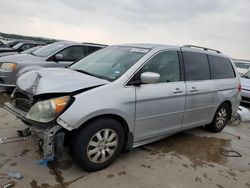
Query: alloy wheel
[(102, 145)]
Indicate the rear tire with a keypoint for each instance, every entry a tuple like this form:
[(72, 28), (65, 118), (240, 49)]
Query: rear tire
[(98, 144), (221, 118)]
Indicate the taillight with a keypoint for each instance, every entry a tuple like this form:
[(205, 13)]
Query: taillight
[(239, 88)]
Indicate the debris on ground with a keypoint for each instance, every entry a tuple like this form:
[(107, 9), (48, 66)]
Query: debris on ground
[(45, 162), (16, 175), (5, 182), (8, 185), (230, 153), (244, 113)]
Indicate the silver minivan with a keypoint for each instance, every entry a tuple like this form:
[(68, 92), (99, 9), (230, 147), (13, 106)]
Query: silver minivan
[(126, 96)]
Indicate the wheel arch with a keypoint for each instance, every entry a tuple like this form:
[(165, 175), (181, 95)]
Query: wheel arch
[(228, 102), (128, 134)]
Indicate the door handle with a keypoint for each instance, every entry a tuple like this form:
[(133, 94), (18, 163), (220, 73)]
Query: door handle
[(193, 89), (178, 90)]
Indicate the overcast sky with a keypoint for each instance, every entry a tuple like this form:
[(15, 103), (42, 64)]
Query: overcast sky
[(220, 24)]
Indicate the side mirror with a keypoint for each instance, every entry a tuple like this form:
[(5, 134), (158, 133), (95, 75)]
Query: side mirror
[(58, 57), (150, 78)]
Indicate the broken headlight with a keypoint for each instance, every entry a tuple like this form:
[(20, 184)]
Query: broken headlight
[(48, 110)]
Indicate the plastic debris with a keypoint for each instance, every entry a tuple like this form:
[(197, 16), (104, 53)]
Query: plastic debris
[(8, 185), (16, 175), (45, 162), (244, 113), (230, 153), (5, 182)]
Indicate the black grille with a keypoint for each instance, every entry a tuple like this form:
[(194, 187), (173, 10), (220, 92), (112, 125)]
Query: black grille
[(22, 101), (245, 99)]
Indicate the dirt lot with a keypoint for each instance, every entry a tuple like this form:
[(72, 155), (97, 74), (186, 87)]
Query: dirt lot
[(190, 159)]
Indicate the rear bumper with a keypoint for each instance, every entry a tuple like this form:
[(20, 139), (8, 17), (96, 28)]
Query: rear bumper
[(51, 136)]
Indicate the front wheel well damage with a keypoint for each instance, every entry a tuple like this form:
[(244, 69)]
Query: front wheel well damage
[(128, 135)]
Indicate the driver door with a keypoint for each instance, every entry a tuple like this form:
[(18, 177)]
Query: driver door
[(160, 106)]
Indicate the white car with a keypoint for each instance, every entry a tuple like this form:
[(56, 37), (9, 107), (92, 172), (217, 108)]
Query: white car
[(245, 84), (242, 66)]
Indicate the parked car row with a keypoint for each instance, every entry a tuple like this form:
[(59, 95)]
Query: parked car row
[(19, 47), (58, 54), (119, 97)]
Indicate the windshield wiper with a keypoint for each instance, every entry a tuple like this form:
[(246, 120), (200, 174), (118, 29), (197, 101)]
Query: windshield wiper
[(245, 76), (95, 75)]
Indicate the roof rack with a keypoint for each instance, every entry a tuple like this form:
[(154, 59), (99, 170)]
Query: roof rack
[(200, 47)]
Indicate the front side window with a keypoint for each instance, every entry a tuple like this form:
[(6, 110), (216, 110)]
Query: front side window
[(220, 67), (49, 49), (166, 64), (72, 53), (196, 66), (109, 63)]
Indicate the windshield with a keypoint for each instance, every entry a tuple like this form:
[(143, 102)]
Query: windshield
[(10, 44), (18, 45), (31, 50), (242, 65), (49, 49), (109, 63)]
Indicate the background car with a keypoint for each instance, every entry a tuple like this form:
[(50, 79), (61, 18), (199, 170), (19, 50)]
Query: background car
[(19, 47), (12, 43), (31, 50), (245, 84), (58, 54), (242, 66)]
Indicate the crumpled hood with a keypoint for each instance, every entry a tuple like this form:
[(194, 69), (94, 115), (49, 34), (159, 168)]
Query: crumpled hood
[(56, 80), (245, 83), (19, 58)]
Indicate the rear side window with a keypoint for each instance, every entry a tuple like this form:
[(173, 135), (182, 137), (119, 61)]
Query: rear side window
[(196, 66), (220, 67)]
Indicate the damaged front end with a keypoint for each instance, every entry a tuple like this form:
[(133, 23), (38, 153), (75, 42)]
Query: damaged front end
[(50, 134), (41, 96)]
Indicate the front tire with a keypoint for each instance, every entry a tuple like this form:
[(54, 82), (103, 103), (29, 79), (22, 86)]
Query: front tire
[(221, 118), (98, 144)]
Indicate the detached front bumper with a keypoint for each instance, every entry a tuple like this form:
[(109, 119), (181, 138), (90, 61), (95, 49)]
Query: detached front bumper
[(51, 136)]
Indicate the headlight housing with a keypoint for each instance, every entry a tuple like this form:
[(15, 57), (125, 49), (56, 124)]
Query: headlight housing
[(8, 66), (48, 110)]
